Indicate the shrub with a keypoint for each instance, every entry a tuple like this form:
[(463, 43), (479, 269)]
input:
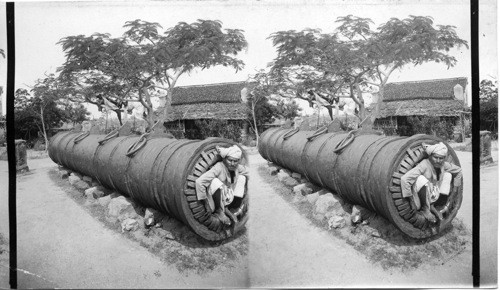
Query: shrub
[(214, 128), (430, 125)]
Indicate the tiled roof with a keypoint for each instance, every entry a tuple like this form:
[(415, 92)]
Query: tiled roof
[(211, 93), (419, 107), (428, 89), (224, 111)]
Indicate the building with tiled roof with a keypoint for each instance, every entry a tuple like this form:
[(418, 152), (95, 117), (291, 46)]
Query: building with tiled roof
[(221, 101), (443, 98)]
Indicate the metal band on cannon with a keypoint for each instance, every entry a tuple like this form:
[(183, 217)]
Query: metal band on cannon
[(156, 171), (362, 167)]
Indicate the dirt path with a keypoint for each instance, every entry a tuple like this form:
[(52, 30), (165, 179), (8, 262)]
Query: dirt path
[(61, 245)]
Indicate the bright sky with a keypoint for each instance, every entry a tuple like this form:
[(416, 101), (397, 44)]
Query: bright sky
[(40, 25)]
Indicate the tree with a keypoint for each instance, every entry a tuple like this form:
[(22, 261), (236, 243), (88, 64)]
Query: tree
[(45, 108), (264, 106), (144, 61), (355, 58), (488, 105), (95, 88)]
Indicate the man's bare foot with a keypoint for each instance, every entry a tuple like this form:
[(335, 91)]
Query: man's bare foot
[(436, 213), (223, 217), (428, 215), (231, 215)]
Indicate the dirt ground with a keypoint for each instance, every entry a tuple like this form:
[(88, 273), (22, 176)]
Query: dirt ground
[(61, 244)]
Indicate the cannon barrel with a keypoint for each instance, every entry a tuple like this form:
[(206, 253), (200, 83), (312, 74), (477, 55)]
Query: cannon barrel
[(364, 168), (159, 174)]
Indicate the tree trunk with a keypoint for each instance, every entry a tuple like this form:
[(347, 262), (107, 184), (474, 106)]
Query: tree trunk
[(376, 112), (167, 109), (119, 116), (44, 130), (330, 112), (255, 124)]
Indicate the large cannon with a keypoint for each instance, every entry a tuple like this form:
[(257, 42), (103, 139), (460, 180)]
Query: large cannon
[(156, 171), (364, 168)]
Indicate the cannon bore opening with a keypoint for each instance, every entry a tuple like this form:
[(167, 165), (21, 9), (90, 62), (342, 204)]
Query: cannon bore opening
[(446, 205), (208, 158)]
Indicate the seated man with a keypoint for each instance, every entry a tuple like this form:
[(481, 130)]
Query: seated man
[(224, 181), (431, 178)]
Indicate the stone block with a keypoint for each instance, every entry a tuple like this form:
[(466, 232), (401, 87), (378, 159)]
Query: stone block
[(302, 189), (81, 185), (286, 171), (312, 198), (89, 193), (326, 202), (73, 179), (296, 175), (152, 213), (336, 222), (323, 191), (118, 206), (87, 179), (105, 200), (76, 174), (282, 175), (272, 170), (63, 174), (129, 225), (96, 192), (290, 182)]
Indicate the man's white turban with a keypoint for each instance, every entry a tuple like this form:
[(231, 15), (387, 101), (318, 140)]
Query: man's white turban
[(233, 151), (438, 149)]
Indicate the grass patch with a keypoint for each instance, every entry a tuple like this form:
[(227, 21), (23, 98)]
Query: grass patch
[(393, 250)]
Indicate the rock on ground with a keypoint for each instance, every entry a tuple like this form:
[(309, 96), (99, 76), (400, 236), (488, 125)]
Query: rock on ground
[(82, 185), (290, 182), (272, 170), (336, 222), (151, 212), (129, 225), (121, 208), (73, 179), (312, 198), (282, 175), (325, 202), (76, 174), (296, 175), (87, 179), (63, 174), (105, 200), (302, 189), (96, 192)]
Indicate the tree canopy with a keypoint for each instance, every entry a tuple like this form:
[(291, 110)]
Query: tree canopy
[(356, 58), (144, 61), (44, 107)]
